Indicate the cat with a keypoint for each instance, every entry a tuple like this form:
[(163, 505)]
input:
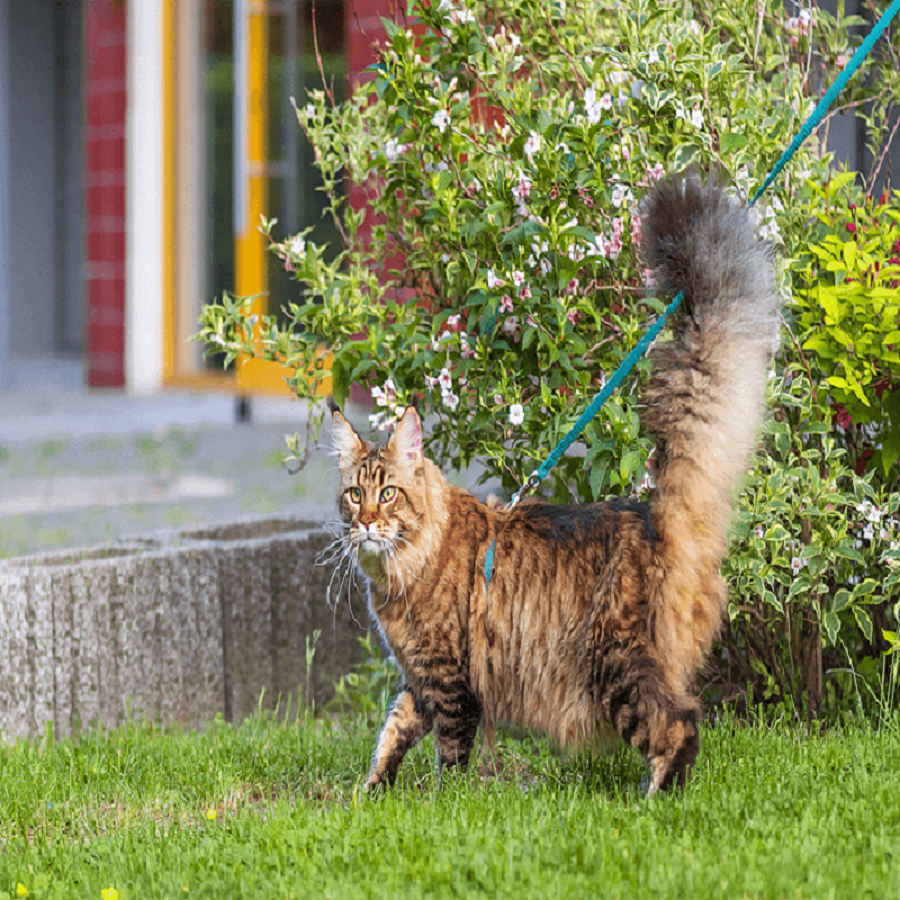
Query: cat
[(593, 615)]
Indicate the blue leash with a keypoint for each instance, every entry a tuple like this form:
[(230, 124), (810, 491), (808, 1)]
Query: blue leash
[(625, 367)]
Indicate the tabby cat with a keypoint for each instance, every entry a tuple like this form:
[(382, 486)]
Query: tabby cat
[(597, 613)]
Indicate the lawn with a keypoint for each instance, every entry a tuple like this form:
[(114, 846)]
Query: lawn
[(269, 809)]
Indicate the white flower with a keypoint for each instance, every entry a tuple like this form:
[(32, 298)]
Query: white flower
[(516, 414), (297, 245), (618, 195), (445, 380), (492, 280), (393, 149), (533, 144), (652, 57), (440, 120), (451, 401), (436, 343), (697, 118), (605, 102), (518, 277), (310, 112), (796, 565), (758, 531), (617, 76)]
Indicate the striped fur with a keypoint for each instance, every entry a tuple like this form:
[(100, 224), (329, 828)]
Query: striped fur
[(595, 614)]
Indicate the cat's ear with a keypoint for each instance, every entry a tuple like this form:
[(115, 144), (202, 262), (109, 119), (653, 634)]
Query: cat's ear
[(346, 440), (407, 440)]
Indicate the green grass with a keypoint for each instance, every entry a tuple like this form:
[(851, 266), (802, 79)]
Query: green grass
[(771, 813)]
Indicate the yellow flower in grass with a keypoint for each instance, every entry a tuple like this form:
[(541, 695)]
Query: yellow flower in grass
[(21, 890), (211, 814), (109, 894)]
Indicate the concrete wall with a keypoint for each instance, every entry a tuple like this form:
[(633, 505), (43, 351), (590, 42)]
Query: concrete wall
[(177, 627)]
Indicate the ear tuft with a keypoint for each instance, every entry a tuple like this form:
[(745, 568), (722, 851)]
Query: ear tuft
[(346, 440), (407, 439)]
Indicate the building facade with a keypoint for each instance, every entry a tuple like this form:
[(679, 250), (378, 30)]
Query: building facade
[(140, 140)]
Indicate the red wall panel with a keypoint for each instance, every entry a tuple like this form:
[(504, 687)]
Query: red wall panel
[(104, 161)]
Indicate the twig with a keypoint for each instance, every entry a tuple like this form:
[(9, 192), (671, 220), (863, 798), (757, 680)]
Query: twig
[(329, 91), (877, 169)]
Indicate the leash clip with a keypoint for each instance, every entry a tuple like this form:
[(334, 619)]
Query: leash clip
[(533, 481)]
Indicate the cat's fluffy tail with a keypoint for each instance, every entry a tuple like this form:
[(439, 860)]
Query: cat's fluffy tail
[(704, 399)]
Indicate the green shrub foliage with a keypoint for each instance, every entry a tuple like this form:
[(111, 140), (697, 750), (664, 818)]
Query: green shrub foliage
[(503, 148)]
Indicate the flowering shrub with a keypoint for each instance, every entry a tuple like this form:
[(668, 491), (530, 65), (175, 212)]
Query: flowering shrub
[(494, 271), (816, 555), (504, 147), (848, 313)]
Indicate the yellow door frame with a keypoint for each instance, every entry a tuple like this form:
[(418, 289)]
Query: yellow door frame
[(251, 125)]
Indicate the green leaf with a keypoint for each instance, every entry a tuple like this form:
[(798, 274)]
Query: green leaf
[(598, 478), (864, 620), (890, 449), (841, 600), (731, 141), (865, 588), (838, 181), (848, 552), (340, 383), (685, 155), (832, 625)]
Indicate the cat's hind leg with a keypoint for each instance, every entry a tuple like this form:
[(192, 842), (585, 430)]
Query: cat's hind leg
[(456, 721), (406, 724), (636, 700)]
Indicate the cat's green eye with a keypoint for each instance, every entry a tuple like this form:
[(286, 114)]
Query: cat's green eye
[(355, 494), (388, 494)]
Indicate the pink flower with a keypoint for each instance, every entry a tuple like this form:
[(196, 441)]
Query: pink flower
[(506, 304), (523, 188), (468, 351), (654, 173), (518, 277), (454, 323), (445, 380), (573, 316), (525, 293), (635, 229), (572, 286)]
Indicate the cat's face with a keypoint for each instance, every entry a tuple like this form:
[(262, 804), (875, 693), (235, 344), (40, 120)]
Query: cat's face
[(380, 495)]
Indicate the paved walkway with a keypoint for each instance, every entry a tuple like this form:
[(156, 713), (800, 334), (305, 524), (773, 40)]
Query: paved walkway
[(79, 468)]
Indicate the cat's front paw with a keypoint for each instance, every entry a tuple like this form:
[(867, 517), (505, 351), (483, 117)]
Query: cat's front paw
[(375, 785)]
